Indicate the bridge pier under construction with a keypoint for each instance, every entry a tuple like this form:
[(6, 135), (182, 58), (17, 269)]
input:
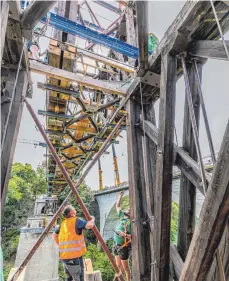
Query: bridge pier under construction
[(101, 80)]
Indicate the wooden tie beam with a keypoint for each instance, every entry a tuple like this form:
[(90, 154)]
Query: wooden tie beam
[(53, 72)]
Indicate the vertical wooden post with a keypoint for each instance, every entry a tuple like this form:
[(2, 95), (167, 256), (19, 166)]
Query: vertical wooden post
[(4, 20), (187, 205), (140, 231), (142, 19), (12, 126), (150, 177), (164, 166)]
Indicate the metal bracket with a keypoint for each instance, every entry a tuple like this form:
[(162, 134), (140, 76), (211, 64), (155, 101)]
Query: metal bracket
[(152, 79)]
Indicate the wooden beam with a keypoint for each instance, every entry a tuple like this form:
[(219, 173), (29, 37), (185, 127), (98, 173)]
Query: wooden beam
[(189, 162), (188, 172), (149, 150), (212, 221), (61, 74), (226, 2), (181, 158), (209, 49), (108, 61), (12, 127), (142, 19), (130, 31), (164, 166), (72, 16), (187, 25), (34, 12), (187, 204), (216, 272), (4, 20), (176, 260), (140, 235), (141, 269)]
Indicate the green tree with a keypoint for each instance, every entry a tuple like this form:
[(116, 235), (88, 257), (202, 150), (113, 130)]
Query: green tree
[(100, 261), (174, 222), (25, 185)]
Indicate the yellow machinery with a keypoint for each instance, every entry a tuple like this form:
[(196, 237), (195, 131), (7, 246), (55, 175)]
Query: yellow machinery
[(116, 171), (100, 176)]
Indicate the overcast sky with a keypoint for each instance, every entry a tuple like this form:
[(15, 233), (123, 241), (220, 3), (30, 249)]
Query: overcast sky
[(215, 90)]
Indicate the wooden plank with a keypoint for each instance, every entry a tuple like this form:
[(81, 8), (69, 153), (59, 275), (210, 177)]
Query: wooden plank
[(209, 49), (187, 204), (12, 128), (94, 276), (212, 221), (64, 75), (34, 12), (164, 166), (4, 20), (88, 266)]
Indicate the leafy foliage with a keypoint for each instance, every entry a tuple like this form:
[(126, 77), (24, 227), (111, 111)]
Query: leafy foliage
[(24, 186), (100, 261), (174, 222)]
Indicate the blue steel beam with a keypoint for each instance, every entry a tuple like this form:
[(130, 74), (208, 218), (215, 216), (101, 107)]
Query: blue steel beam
[(77, 29)]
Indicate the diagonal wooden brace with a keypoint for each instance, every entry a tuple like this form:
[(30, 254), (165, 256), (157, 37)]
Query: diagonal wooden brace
[(73, 191)]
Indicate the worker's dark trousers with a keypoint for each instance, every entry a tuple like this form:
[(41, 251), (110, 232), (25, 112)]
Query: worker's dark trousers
[(74, 269)]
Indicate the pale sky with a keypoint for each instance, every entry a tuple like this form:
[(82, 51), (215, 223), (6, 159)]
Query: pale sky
[(215, 90)]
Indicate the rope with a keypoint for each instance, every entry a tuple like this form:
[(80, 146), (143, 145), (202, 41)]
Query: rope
[(220, 29), (175, 130), (145, 166)]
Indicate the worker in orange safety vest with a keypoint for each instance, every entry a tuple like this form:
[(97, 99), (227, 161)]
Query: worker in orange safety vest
[(70, 240)]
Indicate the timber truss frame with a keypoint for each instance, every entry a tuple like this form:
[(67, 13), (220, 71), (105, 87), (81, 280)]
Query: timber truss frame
[(190, 40), (202, 252)]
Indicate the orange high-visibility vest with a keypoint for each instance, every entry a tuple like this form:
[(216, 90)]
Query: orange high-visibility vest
[(71, 245)]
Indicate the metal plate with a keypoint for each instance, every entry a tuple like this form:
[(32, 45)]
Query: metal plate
[(152, 79)]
